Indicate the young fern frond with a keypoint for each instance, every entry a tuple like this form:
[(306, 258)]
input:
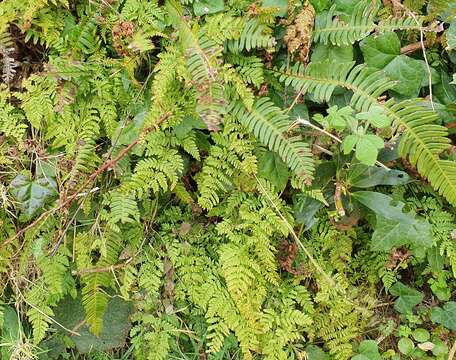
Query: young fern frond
[(330, 29), (422, 140), (269, 125)]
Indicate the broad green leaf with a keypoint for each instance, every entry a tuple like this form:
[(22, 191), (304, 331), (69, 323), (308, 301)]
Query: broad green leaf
[(116, 324), (368, 350), (367, 148), (320, 5), (349, 143), (305, 209), (363, 176), (391, 233), (11, 330), (451, 36), (394, 228), (405, 346), (282, 5), (421, 335), (408, 73), (316, 353), (32, 195), (272, 168), (338, 54), (379, 50), (205, 7), (435, 259), (407, 299), (445, 316)]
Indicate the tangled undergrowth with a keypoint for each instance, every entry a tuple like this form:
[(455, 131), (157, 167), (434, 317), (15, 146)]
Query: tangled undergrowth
[(210, 179)]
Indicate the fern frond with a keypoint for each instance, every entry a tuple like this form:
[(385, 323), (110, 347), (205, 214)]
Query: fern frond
[(269, 125), (254, 35), (223, 27), (422, 143), (203, 60), (329, 28), (124, 210), (422, 140), (95, 299)]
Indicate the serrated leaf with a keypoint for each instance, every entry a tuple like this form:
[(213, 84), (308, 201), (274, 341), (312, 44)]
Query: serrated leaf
[(367, 148), (407, 299)]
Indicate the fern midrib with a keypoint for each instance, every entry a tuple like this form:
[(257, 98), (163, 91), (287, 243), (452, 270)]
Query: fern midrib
[(373, 27), (397, 119)]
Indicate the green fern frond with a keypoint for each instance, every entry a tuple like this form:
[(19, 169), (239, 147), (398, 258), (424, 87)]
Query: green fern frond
[(95, 299), (329, 28), (124, 210), (255, 35), (203, 60), (270, 125), (223, 27), (250, 68), (422, 142)]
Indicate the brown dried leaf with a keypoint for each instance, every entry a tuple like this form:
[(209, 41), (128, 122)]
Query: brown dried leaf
[(299, 34)]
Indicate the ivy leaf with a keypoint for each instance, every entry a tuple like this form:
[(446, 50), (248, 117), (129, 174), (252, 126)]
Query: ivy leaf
[(363, 176), (407, 299), (380, 50), (367, 148), (205, 7), (408, 73), (32, 195), (272, 168), (394, 228), (445, 316)]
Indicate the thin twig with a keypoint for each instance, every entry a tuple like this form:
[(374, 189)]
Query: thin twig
[(410, 48), (108, 164)]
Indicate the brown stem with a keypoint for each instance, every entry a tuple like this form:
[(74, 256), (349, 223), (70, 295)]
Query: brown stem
[(92, 177), (410, 48)]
